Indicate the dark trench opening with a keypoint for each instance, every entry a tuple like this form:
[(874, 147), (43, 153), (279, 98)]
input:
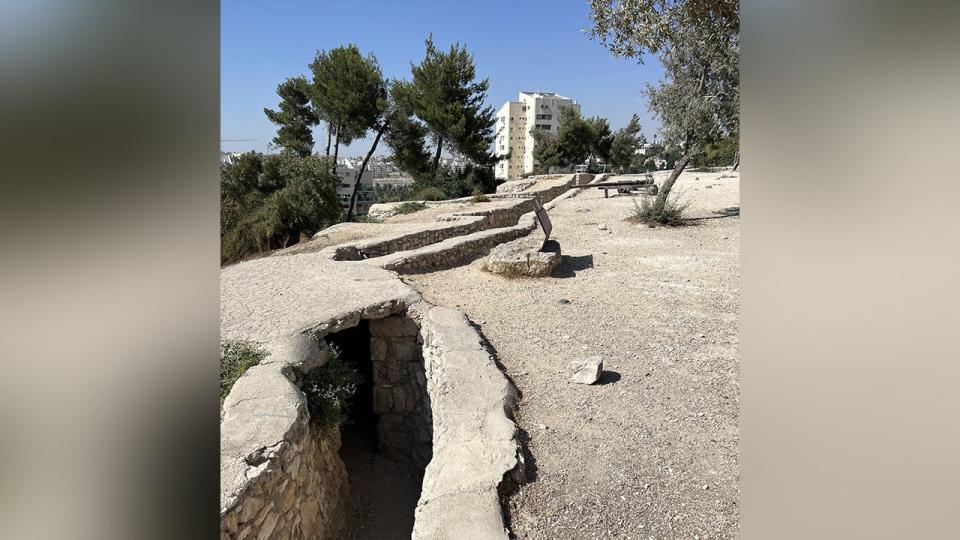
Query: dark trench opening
[(384, 462)]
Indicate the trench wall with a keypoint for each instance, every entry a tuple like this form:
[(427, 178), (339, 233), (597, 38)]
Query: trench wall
[(400, 399), (283, 477)]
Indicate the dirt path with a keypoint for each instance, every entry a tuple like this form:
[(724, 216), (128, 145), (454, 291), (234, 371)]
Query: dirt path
[(651, 452)]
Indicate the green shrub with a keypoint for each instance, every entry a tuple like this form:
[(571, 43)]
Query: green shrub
[(269, 202), (367, 219), (479, 197), (330, 390), (671, 213), (409, 207), (429, 194), (236, 357)]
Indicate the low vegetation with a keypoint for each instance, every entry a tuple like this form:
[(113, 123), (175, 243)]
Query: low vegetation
[(479, 197), (429, 194), (671, 213), (330, 390), (409, 207), (236, 357)]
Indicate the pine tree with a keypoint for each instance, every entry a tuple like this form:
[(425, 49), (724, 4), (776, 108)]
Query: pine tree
[(295, 118), (447, 98), (626, 141), (348, 93)]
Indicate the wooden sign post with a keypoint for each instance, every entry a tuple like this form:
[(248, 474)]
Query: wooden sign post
[(544, 220)]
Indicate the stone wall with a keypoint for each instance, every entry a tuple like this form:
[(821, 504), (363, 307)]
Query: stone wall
[(293, 484), (450, 252), (400, 397), (475, 444)]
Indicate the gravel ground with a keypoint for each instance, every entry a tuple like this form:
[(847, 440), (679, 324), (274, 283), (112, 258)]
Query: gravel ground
[(651, 452), (383, 494)]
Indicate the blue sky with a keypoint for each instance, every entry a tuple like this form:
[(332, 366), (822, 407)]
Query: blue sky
[(518, 45)]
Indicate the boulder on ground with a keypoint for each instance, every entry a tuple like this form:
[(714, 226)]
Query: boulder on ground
[(586, 370), (523, 257)]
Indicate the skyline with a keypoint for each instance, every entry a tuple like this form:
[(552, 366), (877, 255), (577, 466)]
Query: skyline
[(263, 43)]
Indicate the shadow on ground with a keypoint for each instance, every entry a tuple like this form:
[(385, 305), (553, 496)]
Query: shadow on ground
[(733, 211), (572, 264), (608, 377)]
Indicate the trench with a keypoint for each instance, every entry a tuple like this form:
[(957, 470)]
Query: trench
[(386, 442)]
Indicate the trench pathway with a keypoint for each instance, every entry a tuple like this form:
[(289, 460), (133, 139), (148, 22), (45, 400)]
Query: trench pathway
[(652, 451)]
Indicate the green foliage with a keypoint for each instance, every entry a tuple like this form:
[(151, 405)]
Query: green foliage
[(670, 213), (367, 219), (719, 153), (409, 207), (479, 197), (456, 182), (698, 43), (407, 136), (269, 201), (446, 97), (295, 118), (625, 143), (330, 390), (348, 91), (428, 194), (577, 140), (236, 357), (392, 193)]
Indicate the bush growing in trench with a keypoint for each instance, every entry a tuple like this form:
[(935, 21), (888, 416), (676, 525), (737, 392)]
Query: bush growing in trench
[(330, 390)]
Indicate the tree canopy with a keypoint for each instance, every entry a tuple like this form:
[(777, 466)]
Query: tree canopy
[(698, 42), (446, 97), (577, 140), (625, 143), (269, 202), (295, 116), (349, 92)]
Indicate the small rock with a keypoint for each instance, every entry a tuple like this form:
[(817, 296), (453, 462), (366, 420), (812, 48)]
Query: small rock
[(565, 337), (543, 427), (602, 226), (586, 370), (564, 301)]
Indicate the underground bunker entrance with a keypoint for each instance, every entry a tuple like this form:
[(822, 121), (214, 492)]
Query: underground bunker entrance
[(385, 443)]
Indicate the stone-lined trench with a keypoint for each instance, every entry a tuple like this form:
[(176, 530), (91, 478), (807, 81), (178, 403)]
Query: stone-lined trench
[(387, 442)]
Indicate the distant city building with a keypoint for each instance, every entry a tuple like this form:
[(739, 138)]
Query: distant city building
[(227, 157), (644, 150), (516, 121), (347, 174)]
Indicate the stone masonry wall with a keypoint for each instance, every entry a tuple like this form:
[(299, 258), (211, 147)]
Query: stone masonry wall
[(301, 495), (297, 486), (400, 397)]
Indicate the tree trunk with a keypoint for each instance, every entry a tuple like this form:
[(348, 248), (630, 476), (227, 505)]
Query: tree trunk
[(329, 129), (336, 150), (436, 157), (736, 161), (363, 167), (664, 192), (678, 167)]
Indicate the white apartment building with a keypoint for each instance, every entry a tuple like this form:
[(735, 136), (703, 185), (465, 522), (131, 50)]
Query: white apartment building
[(347, 173), (515, 122)]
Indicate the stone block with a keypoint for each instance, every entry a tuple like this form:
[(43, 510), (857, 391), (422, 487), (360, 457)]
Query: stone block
[(586, 370), (523, 257)]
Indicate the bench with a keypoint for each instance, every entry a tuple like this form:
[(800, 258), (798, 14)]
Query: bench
[(624, 187)]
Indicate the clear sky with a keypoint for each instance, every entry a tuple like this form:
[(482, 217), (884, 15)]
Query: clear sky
[(518, 45)]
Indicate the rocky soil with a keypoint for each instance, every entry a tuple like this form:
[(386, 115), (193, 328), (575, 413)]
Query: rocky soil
[(651, 450)]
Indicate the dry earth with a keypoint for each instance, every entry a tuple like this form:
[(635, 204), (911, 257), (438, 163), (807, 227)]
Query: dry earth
[(651, 452)]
